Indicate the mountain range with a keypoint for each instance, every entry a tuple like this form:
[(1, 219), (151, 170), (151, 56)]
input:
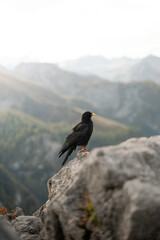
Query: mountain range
[(118, 69), (135, 103)]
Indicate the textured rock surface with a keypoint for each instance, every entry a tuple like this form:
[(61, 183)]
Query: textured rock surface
[(27, 227), (59, 182), (7, 232), (112, 194), (63, 179), (18, 212)]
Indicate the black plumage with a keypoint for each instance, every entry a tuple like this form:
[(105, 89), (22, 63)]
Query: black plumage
[(79, 137)]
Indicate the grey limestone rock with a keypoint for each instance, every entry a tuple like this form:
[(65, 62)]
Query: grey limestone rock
[(113, 193), (27, 227), (61, 181), (18, 212)]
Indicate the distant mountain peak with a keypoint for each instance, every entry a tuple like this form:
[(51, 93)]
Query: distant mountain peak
[(151, 57), (90, 60)]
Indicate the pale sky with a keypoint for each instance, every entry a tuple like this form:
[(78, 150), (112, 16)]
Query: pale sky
[(59, 30)]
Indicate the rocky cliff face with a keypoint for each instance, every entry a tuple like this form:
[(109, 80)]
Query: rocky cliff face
[(110, 193)]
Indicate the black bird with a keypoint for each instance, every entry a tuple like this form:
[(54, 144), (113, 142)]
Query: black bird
[(79, 137)]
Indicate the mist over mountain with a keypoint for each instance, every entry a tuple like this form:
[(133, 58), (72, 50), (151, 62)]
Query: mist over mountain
[(134, 103), (146, 69), (13, 192), (51, 76), (118, 70)]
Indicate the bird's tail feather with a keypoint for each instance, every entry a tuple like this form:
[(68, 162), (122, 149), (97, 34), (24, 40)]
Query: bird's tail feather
[(67, 155), (61, 152)]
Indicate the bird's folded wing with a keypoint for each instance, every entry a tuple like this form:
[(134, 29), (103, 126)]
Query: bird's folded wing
[(78, 132), (81, 128)]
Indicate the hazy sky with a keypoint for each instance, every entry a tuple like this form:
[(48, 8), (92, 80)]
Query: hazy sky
[(57, 30)]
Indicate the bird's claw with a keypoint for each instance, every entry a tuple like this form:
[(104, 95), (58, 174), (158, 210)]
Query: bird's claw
[(83, 149)]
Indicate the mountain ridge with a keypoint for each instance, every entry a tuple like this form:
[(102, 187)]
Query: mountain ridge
[(116, 69), (127, 103)]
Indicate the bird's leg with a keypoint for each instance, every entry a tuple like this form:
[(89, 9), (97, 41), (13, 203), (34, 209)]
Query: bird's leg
[(84, 149)]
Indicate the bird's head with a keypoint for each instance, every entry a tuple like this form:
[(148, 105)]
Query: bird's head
[(87, 116)]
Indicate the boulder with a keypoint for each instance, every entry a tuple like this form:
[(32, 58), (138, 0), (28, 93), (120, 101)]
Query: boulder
[(27, 227), (18, 212), (111, 193)]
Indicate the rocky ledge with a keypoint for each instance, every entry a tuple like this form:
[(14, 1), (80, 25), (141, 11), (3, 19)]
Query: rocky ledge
[(111, 193)]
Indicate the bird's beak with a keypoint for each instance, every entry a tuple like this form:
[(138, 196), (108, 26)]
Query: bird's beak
[(93, 114)]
